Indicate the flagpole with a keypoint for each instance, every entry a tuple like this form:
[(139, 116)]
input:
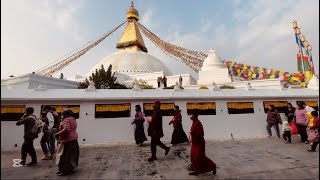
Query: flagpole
[(297, 33), (301, 51)]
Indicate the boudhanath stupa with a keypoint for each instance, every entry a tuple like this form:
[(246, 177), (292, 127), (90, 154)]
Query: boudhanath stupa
[(131, 61)]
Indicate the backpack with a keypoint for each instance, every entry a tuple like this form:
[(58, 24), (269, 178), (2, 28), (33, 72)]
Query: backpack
[(37, 127)]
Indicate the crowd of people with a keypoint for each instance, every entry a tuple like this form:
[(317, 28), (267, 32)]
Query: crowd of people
[(162, 81), (63, 129), (302, 120), (199, 162)]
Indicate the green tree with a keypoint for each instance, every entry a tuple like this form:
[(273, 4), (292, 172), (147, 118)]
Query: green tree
[(103, 79)]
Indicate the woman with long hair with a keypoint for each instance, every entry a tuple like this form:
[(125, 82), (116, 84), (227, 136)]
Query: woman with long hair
[(68, 150), (139, 134), (178, 135)]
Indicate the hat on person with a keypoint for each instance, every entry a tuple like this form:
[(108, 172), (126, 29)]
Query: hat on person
[(156, 103)]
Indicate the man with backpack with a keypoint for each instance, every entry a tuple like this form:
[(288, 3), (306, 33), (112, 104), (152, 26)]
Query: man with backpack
[(47, 141), (29, 121)]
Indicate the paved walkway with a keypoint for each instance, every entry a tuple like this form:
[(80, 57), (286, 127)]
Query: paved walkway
[(239, 159)]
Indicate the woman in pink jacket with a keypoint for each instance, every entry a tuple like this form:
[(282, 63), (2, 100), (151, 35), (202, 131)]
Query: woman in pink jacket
[(68, 138), (301, 119)]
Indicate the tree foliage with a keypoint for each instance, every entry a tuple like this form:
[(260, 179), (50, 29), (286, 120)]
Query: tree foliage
[(142, 84), (103, 79)]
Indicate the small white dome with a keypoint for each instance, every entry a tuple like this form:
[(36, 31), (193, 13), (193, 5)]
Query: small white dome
[(132, 62), (212, 62)]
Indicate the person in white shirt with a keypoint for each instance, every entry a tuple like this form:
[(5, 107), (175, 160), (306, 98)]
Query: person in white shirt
[(286, 132), (48, 121)]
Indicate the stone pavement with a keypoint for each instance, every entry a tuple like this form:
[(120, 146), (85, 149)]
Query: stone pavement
[(238, 159)]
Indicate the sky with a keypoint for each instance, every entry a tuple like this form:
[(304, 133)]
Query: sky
[(35, 33)]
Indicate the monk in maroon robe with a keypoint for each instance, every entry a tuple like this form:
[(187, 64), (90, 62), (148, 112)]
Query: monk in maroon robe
[(155, 131), (200, 163)]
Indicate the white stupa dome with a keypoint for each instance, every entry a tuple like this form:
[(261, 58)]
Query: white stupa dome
[(212, 62), (132, 62)]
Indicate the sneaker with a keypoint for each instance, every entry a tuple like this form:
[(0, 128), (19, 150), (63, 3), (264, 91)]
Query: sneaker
[(32, 164), (269, 136), (152, 158), (47, 157), (310, 150), (306, 142)]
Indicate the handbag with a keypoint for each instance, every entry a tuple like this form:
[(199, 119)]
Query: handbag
[(313, 136), (59, 152), (294, 128)]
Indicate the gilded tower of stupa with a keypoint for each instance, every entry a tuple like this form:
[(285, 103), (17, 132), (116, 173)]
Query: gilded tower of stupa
[(131, 38)]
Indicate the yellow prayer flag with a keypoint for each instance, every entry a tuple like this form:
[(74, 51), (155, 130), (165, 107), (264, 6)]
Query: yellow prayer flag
[(308, 75), (254, 75)]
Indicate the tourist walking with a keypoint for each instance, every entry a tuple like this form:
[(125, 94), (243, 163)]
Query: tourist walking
[(68, 157), (164, 80), (180, 81), (178, 135), (289, 112), (286, 132), (301, 120), (314, 131), (46, 141), (200, 163), (28, 120), (139, 134), (159, 81), (155, 131), (273, 119)]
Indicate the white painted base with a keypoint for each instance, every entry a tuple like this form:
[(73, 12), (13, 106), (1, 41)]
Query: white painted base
[(217, 76)]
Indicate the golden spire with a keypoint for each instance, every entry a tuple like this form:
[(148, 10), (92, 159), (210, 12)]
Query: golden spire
[(131, 38), (132, 13)]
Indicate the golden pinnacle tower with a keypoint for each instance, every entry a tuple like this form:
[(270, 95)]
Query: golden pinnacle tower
[(131, 38)]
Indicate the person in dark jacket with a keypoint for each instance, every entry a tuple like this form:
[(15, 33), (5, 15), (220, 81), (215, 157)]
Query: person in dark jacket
[(273, 119), (178, 135), (289, 112), (28, 120), (139, 134), (155, 131)]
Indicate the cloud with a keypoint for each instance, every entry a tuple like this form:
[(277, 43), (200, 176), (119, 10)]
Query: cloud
[(205, 24), (61, 14), (261, 34)]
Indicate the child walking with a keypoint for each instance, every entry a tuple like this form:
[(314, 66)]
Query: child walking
[(286, 132)]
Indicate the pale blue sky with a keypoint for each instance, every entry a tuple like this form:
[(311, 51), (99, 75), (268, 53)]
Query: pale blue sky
[(257, 32)]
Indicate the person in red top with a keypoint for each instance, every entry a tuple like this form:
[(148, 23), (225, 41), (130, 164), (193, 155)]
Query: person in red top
[(178, 135), (314, 130), (68, 138), (200, 163), (155, 131)]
